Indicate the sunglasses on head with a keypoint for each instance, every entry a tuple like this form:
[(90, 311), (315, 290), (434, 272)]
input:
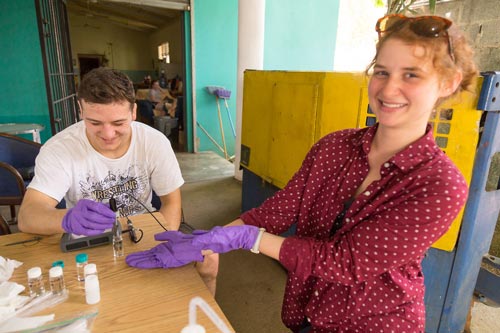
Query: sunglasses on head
[(425, 26)]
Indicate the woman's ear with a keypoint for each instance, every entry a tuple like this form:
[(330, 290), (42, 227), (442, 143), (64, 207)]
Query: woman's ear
[(451, 85)]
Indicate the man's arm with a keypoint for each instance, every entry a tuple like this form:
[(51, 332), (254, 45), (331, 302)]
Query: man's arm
[(171, 209), (38, 214)]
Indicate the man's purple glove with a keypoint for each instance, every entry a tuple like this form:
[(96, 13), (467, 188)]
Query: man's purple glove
[(177, 251), (222, 240), (88, 218)]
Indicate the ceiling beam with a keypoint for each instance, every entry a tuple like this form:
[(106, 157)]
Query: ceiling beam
[(114, 18)]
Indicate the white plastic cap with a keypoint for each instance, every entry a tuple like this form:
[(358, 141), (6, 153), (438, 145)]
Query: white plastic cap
[(34, 272), (89, 269), (55, 271), (92, 290)]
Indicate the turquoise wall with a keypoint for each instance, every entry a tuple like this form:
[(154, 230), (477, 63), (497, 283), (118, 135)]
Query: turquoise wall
[(22, 82), (300, 35), (216, 52)]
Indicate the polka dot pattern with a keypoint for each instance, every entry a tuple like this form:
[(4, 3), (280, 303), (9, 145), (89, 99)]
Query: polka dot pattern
[(367, 277)]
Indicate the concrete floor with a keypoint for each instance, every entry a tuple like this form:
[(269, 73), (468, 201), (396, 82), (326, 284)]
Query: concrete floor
[(250, 287)]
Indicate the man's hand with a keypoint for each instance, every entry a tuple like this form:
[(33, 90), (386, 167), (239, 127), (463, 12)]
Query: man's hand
[(177, 251), (88, 218)]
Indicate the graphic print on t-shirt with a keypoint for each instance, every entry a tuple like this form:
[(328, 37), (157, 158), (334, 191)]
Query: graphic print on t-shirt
[(126, 186)]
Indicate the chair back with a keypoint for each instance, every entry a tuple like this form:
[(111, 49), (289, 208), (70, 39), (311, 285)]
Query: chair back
[(17, 162), (12, 186), (18, 152)]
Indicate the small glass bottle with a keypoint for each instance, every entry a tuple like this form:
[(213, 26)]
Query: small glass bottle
[(35, 281), (117, 239), (92, 289), (56, 279), (116, 231), (81, 261)]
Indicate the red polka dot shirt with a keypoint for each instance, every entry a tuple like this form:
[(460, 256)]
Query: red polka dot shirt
[(367, 276)]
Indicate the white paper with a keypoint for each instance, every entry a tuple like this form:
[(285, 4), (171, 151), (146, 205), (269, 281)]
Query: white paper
[(7, 267)]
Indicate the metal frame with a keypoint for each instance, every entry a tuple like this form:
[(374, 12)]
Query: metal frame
[(57, 63), (480, 216)]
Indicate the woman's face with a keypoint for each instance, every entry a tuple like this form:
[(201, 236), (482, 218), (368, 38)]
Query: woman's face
[(404, 86)]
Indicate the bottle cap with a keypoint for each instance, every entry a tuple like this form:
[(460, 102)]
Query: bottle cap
[(58, 263), (81, 258), (89, 269), (55, 271), (34, 272)]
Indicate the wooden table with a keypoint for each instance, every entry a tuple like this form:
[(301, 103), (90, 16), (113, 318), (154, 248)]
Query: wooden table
[(132, 300)]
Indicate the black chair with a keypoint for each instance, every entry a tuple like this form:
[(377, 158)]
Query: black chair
[(17, 163)]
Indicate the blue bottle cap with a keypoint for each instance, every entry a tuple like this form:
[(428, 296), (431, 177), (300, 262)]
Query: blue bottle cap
[(58, 263), (81, 258)]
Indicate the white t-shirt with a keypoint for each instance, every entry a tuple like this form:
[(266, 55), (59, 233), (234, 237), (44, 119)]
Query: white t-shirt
[(68, 166)]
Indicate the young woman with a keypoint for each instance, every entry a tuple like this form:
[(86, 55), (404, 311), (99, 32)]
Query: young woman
[(367, 202)]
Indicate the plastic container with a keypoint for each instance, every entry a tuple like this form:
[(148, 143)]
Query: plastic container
[(35, 281), (90, 269), (92, 289), (81, 261), (56, 280)]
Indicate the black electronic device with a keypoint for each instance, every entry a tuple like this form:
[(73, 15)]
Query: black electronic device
[(70, 243)]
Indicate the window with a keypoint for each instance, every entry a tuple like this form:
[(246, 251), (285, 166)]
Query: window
[(163, 52)]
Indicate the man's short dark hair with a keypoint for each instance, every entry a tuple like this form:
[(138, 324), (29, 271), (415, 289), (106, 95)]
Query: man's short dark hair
[(106, 86)]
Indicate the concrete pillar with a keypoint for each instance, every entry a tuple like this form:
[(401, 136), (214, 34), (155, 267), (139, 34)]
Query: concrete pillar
[(251, 20)]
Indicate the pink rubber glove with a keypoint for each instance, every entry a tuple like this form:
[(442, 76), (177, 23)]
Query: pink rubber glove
[(222, 240), (177, 251), (88, 218)]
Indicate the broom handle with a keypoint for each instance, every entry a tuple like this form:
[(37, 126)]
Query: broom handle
[(221, 127), (229, 116)]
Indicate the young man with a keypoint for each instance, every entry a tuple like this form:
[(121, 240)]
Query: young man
[(106, 155)]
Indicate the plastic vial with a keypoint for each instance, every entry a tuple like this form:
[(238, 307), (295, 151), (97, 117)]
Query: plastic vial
[(90, 269), (92, 290), (81, 261), (35, 281), (56, 279)]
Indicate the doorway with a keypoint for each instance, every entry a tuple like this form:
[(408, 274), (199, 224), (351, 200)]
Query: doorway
[(88, 62), (131, 48)]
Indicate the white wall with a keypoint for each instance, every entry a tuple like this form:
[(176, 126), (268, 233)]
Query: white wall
[(171, 33), (126, 49), (356, 36)]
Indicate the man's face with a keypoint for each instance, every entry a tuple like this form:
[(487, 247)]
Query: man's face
[(108, 126)]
